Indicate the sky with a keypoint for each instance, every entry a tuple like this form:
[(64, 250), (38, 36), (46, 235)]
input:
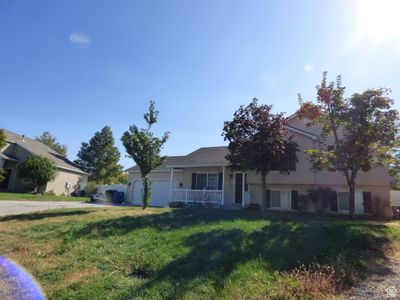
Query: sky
[(73, 67)]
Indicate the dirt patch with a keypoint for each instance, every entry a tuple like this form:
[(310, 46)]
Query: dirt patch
[(382, 283)]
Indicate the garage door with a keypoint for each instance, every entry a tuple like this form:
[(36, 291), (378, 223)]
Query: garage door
[(159, 193)]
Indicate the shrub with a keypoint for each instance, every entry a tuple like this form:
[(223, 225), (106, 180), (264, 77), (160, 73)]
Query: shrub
[(317, 280), (91, 188), (320, 197)]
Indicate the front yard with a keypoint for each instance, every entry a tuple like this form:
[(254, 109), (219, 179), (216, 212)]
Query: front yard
[(39, 197), (128, 253)]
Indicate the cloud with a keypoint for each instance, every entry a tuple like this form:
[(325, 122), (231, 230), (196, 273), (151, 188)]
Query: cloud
[(308, 67), (79, 38)]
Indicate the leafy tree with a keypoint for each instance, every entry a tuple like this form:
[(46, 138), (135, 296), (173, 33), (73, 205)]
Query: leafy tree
[(145, 148), (364, 130), (258, 140), (121, 178), (50, 140), (2, 144), (100, 157), (39, 170)]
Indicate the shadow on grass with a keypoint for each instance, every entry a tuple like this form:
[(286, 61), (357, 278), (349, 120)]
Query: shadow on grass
[(214, 255), (184, 218), (40, 215), (283, 243)]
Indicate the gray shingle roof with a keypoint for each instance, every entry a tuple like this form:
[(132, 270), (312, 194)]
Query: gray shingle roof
[(39, 148), (206, 156)]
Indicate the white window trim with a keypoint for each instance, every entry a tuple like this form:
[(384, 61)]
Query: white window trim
[(280, 190), (209, 173)]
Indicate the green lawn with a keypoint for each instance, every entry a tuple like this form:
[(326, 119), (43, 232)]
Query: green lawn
[(128, 253), (38, 197)]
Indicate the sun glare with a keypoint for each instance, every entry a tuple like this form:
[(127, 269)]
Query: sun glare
[(379, 19)]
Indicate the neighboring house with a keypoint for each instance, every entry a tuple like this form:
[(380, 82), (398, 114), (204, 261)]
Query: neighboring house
[(204, 176), (19, 148)]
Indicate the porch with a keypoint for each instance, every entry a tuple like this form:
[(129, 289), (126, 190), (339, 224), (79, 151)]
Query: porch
[(214, 186), (204, 197)]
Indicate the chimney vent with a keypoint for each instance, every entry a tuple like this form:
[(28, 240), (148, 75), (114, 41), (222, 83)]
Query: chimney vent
[(23, 137)]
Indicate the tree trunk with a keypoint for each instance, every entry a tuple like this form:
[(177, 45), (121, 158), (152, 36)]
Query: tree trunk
[(146, 191), (352, 201), (264, 190)]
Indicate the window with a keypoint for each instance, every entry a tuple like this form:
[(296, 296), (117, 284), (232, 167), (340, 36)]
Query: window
[(331, 148), (206, 181), (212, 182), (201, 181), (344, 200), (275, 199)]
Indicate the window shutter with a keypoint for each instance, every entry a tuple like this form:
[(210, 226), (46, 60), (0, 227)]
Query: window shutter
[(367, 197), (220, 181), (193, 181), (268, 198), (295, 200), (333, 201)]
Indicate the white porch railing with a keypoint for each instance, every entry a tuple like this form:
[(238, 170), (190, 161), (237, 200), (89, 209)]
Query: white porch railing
[(197, 196)]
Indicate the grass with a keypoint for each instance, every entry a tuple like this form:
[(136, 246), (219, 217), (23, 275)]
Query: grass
[(39, 197), (128, 253)]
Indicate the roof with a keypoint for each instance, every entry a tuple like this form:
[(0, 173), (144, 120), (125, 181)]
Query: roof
[(8, 157), (206, 156), (302, 131), (38, 148)]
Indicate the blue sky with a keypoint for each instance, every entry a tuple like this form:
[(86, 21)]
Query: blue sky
[(72, 67)]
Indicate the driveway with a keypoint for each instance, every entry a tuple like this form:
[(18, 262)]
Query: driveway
[(23, 207)]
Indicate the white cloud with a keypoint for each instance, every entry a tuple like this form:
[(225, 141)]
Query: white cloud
[(308, 67), (79, 38)]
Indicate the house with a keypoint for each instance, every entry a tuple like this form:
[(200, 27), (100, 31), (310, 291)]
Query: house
[(204, 176), (19, 148)]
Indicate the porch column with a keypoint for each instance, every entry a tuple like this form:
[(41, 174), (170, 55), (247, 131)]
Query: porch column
[(171, 185), (243, 184), (223, 185)]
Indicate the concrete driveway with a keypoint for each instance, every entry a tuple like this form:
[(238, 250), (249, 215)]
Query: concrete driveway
[(23, 207)]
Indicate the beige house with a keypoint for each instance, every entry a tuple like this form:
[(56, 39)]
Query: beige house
[(19, 148), (203, 176)]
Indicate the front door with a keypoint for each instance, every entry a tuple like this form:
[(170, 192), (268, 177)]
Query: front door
[(238, 188), (7, 176)]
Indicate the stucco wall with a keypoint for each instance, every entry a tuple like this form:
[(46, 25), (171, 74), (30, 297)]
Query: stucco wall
[(63, 176)]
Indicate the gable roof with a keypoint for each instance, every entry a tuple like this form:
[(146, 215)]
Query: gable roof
[(38, 148), (208, 156)]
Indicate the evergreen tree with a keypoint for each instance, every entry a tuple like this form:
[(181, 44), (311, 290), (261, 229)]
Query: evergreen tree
[(50, 140), (100, 157)]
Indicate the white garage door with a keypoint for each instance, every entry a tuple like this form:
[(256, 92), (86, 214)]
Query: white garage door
[(159, 193)]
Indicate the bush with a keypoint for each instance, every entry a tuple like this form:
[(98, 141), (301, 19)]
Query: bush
[(320, 197), (317, 280), (91, 188)]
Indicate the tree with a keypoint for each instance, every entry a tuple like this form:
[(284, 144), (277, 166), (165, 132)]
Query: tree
[(258, 140), (364, 130), (2, 144), (39, 170), (100, 157), (50, 140), (121, 178), (145, 148)]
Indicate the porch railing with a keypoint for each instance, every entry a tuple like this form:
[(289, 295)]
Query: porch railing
[(197, 196)]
